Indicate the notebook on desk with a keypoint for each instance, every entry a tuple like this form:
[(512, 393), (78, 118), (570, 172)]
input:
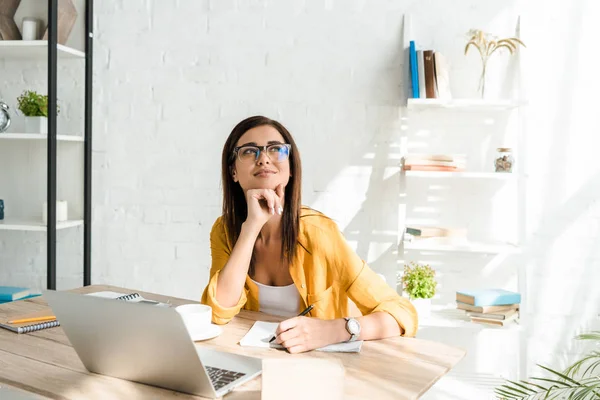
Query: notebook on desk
[(50, 319), (261, 333)]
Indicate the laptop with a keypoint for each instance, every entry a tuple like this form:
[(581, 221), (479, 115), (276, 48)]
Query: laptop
[(147, 344)]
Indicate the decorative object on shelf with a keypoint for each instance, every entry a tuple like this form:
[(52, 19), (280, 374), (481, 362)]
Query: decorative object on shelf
[(580, 380), (67, 15), (30, 28), (487, 45), (504, 160), (4, 117), (419, 283), (35, 108), (61, 211), (8, 28), (1, 209)]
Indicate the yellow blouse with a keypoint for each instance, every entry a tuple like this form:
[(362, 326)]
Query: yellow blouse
[(327, 272)]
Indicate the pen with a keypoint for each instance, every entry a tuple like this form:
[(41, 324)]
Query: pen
[(302, 314), (21, 321)]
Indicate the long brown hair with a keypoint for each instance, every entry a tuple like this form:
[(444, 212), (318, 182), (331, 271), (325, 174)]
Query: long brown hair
[(235, 209)]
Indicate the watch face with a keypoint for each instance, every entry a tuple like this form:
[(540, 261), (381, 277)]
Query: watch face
[(354, 327)]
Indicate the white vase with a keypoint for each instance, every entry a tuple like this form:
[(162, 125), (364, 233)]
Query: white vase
[(423, 307), (36, 125)]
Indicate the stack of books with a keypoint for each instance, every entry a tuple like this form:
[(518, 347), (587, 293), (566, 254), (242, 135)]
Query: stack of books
[(11, 293), (429, 73), (490, 306), (435, 162), (428, 232)]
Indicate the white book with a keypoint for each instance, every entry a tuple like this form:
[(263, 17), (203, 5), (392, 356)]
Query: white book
[(442, 76), (421, 72)]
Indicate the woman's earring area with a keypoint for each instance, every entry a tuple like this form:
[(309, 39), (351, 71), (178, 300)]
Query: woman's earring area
[(280, 210)]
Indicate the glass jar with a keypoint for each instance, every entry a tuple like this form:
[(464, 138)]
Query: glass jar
[(504, 161)]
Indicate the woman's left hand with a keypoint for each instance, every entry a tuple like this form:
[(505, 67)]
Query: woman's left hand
[(301, 334)]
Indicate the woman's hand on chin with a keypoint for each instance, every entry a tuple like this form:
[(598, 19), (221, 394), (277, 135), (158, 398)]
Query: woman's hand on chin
[(263, 204)]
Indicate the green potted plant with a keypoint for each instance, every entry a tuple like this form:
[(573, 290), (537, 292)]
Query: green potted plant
[(580, 381), (418, 281), (34, 107)]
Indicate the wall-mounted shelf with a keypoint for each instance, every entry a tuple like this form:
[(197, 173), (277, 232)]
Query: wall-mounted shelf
[(465, 174), (40, 136), (36, 225), (440, 244), (35, 50), (462, 104)]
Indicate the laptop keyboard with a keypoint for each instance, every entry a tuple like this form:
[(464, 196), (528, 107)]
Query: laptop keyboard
[(221, 377)]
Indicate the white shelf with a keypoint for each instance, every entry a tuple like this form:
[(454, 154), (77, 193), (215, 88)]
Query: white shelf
[(35, 225), (462, 104), (34, 50), (465, 174), (449, 317), (446, 244), (40, 136)]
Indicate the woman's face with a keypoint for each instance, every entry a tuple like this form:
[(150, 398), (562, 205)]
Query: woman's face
[(270, 168)]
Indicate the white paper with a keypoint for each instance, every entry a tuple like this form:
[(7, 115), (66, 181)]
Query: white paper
[(261, 332)]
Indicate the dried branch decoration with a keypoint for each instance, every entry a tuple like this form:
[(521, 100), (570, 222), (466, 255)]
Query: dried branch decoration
[(487, 45)]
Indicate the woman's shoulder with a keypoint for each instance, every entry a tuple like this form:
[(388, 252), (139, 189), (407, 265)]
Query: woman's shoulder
[(313, 222)]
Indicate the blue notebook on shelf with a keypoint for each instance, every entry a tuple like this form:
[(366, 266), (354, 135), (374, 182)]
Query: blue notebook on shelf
[(414, 69), (488, 297), (11, 293)]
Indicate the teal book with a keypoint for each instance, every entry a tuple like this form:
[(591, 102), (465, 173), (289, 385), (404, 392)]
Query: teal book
[(23, 298), (10, 293), (488, 297)]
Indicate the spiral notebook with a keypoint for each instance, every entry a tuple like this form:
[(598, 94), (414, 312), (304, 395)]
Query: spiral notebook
[(27, 327)]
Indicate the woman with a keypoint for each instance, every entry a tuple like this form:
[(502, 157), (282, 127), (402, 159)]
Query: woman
[(270, 254)]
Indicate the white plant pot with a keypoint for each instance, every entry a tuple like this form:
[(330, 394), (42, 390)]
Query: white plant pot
[(36, 125), (423, 307)]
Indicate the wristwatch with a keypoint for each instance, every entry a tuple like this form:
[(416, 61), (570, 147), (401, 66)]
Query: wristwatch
[(353, 328)]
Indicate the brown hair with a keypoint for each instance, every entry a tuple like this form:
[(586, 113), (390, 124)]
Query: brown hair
[(235, 209)]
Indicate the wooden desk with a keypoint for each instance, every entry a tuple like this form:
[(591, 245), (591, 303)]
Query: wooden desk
[(44, 362)]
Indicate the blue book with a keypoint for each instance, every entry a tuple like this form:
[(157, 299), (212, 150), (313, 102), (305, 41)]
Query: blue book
[(488, 297), (23, 298), (414, 70), (10, 293)]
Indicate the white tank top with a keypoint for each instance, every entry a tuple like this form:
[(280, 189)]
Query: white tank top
[(283, 301)]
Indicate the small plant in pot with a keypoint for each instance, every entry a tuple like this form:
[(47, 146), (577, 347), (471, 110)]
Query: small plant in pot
[(34, 107), (419, 283)]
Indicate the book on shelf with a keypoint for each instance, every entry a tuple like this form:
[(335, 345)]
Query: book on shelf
[(429, 73), (414, 74), (485, 309), (498, 315), (421, 73), (429, 66), (432, 231), (442, 76), (432, 168), (434, 162), (488, 297), (499, 322), (434, 157)]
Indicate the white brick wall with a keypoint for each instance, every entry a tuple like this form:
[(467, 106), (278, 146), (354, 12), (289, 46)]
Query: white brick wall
[(173, 77)]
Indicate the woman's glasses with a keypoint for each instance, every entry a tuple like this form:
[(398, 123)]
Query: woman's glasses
[(277, 152)]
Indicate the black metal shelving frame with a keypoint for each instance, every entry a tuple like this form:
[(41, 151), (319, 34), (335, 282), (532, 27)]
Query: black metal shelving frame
[(52, 143)]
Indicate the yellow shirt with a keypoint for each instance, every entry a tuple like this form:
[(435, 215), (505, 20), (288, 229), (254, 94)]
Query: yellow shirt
[(326, 272)]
